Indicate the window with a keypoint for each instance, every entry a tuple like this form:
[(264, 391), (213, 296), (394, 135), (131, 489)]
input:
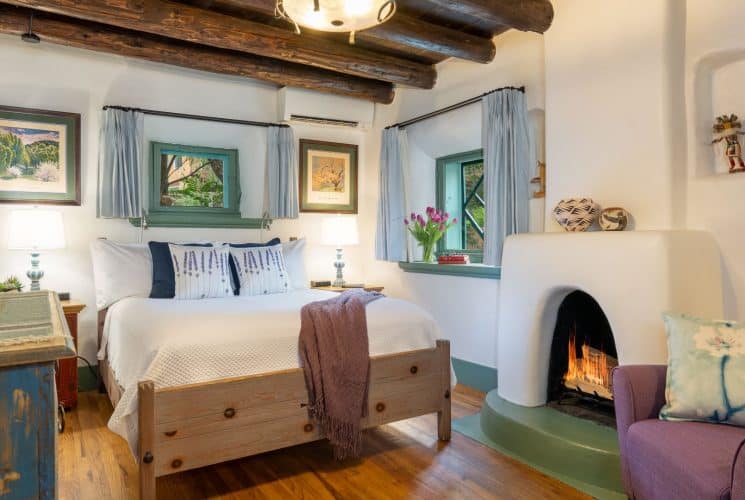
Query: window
[(194, 187), (460, 192)]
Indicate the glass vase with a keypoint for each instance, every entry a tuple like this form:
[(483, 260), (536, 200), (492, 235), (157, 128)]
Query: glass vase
[(428, 253)]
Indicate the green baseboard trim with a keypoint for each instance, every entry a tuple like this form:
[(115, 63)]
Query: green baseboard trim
[(463, 270), (483, 378), (86, 380), (577, 452)]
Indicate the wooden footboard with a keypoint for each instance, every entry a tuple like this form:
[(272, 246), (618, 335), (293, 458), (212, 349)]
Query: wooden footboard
[(195, 425)]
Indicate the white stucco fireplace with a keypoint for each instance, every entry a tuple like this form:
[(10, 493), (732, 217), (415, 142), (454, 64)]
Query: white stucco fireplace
[(634, 276)]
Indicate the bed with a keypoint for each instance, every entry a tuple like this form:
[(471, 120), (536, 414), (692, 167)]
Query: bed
[(198, 382)]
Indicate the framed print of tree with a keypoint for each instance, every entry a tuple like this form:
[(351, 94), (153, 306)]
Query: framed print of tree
[(39, 156), (328, 177)]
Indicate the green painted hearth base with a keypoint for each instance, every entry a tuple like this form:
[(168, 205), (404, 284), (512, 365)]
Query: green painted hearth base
[(578, 452)]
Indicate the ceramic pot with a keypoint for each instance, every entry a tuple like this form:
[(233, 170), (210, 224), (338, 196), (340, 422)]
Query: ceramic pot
[(613, 219), (576, 214)]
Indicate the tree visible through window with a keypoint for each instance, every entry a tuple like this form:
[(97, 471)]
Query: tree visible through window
[(460, 192), (474, 206)]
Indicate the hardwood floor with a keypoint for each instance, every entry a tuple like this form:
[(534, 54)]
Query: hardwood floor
[(401, 460)]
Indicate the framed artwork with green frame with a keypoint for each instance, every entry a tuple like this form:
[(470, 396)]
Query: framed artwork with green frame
[(194, 186), (460, 192), (328, 177), (39, 156)]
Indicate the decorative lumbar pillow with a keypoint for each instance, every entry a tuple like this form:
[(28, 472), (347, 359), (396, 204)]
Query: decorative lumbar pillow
[(120, 270), (234, 272), (199, 272), (261, 270), (163, 281), (706, 370), (294, 252)]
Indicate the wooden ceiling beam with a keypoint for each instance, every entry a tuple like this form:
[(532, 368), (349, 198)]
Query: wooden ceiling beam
[(100, 38), (402, 31), (524, 15), (192, 24)]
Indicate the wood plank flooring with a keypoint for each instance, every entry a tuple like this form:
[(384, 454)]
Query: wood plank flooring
[(401, 460)]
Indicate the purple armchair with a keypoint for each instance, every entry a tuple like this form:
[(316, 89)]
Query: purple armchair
[(672, 460)]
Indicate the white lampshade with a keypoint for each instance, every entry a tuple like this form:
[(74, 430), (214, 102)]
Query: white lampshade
[(35, 230), (339, 15), (339, 231)]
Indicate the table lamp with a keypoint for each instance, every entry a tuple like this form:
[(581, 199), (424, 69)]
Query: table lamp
[(339, 231), (35, 230)]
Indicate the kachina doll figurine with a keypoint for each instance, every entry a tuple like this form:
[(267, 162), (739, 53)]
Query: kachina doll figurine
[(727, 128)]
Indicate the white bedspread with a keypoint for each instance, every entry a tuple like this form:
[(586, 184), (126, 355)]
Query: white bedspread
[(176, 342)]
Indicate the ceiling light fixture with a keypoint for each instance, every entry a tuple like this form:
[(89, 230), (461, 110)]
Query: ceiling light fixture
[(336, 15), (30, 36)]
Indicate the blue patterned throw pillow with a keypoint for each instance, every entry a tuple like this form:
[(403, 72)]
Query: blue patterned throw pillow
[(261, 270), (706, 370), (201, 272)]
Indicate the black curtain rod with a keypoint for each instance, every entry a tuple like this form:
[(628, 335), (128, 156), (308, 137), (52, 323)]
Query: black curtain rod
[(451, 107), (198, 117)]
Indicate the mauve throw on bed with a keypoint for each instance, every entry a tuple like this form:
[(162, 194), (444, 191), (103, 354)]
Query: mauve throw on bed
[(335, 355)]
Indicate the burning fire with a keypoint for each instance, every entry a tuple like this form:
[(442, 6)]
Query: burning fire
[(592, 372)]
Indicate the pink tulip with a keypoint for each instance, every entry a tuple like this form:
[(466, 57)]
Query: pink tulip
[(436, 218), (421, 222), (413, 216), (455, 220), (442, 227), (446, 215), (430, 210), (406, 222)]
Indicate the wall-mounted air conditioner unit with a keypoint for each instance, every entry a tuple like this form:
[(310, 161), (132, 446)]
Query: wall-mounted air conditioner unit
[(315, 107)]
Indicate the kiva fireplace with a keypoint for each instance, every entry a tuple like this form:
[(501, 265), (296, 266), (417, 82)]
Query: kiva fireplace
[(572, 306)]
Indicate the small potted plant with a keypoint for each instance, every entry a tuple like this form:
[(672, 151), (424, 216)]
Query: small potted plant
[(428, 231), (12, 284)]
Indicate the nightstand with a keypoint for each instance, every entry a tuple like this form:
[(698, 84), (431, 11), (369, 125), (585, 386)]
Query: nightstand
[(339, 289), (67, 373)]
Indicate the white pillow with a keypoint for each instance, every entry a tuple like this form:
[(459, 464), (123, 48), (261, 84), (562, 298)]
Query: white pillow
[(294, 252), (201, 272), (261, 270), (120, 270)]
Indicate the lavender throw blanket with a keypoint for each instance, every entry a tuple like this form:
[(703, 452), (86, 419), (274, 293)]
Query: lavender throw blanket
[(336, 361)]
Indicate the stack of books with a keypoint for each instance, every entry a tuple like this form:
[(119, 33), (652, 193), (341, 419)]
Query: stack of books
[(453, 259)]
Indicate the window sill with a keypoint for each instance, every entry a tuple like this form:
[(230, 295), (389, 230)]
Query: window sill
[(463, 270)]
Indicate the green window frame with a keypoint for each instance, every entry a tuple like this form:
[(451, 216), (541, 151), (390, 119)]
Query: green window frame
[(227, 216), (454, 196)]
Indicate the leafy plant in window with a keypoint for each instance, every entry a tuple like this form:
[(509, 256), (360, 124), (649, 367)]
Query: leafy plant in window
[(188, 181)]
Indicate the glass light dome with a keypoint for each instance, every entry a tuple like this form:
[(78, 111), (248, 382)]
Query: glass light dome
[(337, 15)]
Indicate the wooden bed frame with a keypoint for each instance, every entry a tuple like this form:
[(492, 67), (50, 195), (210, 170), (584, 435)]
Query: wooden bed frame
[(196, 425)]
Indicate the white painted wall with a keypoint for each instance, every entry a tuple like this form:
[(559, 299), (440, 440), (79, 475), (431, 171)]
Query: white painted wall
[(47, 76), (714, 78), (467, 309), (613, 124)]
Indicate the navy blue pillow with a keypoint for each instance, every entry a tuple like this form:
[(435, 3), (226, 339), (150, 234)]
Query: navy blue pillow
[(164, 279), (234, 271)]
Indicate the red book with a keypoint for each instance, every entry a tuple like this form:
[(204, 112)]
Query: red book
[(453, 259)]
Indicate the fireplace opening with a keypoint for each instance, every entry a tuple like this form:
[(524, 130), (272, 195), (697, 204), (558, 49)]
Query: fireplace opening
[(583, 354)]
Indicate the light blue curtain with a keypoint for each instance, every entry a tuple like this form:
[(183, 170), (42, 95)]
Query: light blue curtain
[(391, 236), (508, 160), (281, 174), (120, 164)]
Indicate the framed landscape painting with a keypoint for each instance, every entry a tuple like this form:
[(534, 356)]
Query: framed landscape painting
[(39, 156), (328, 177)]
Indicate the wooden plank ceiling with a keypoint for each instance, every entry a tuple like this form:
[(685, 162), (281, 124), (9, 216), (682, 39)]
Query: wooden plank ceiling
[(245, 38)]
